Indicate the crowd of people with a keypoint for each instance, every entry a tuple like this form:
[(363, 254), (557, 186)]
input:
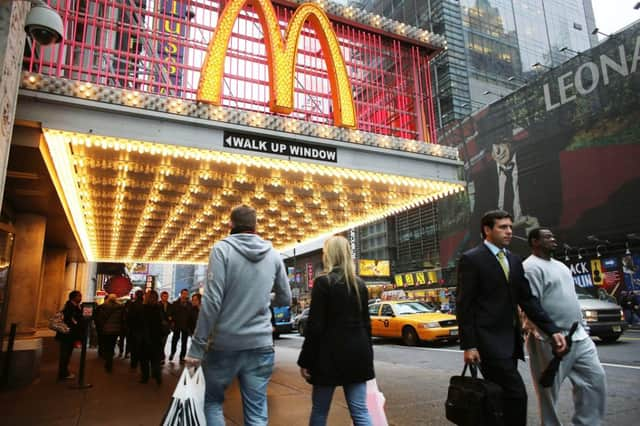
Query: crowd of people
[(138, 328), (232, 332)]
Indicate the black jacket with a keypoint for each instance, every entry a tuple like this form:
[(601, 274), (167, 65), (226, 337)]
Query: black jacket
[(337, 347), (73, 318), (182, 315), (487, 305), (109, 319), (152, 333)]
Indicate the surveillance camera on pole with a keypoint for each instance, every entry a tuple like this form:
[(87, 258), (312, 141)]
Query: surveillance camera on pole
[(43, 24)]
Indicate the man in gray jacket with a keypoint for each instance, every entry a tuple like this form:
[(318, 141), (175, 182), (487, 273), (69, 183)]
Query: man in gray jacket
[(234, 338), (551, 282)]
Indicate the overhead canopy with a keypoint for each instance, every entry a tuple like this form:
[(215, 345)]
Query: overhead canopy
[(142, 186)]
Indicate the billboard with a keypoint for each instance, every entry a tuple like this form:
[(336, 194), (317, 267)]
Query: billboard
[(374, 268), (561, 152)]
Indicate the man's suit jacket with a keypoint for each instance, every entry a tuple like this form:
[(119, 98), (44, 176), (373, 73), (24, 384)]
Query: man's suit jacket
[(487, 305)]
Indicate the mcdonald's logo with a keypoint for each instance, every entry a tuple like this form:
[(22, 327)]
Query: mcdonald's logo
[(281, 58)]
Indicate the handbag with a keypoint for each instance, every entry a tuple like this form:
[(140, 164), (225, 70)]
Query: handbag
[(187, 403), (56, 323), (375, 404), (472, 401)]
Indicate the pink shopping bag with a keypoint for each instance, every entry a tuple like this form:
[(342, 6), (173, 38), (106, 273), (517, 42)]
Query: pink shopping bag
[(375, 404)]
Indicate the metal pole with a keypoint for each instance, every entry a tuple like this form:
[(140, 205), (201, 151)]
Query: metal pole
[(83, 357), (8, 355)]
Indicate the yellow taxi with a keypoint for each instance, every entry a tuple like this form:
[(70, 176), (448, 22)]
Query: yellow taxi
[(411, 321)]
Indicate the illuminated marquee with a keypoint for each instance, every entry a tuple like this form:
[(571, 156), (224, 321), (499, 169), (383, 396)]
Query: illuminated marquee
[(281, 58)]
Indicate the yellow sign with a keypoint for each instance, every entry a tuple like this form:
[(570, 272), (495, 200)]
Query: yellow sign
[(398, 280), (374, 268), (281, 58), (596, 272)]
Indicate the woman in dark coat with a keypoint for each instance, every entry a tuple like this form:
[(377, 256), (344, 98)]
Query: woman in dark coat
[(337, 348), (72, 313), (151, 338)]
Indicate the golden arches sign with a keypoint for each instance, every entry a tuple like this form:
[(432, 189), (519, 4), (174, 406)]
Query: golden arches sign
[(281, 58)]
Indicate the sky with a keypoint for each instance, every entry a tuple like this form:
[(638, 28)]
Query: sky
[(612, 15)]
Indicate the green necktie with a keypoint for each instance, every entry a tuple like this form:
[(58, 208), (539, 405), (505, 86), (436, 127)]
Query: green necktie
[(503, 263)]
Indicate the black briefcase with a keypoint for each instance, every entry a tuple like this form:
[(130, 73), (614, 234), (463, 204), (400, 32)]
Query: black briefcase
[(472, 401)]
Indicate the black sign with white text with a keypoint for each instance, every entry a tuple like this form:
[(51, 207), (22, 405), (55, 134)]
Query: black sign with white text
[(273, 146)]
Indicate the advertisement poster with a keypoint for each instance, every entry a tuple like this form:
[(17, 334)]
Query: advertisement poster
[(374, 268), (606, 275), (561, 152), (631, 272), (581, 273)]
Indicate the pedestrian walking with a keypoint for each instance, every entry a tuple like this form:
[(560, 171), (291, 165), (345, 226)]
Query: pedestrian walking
[(151, 338), (135, 325), (167, 321), (196, 302), (552, 283), (233, 334), (109, 323), (491, 286), (337, 348), (181, 311), (72, 314)]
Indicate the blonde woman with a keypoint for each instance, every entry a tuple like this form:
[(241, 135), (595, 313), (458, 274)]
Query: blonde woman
[(337, 347)]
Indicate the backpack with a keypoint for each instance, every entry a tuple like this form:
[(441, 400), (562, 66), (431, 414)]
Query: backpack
[(56, 323)]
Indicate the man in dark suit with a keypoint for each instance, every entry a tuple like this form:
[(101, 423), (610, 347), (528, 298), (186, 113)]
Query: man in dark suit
[(491, 286)]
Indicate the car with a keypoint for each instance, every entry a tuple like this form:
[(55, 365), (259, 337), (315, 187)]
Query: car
[(412, 321), (300, 321), (604, 319), (282, 322)]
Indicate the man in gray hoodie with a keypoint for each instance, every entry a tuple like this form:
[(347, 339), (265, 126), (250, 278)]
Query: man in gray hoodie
[(233, 336)]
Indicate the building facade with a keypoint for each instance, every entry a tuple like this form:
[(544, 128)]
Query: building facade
[(132, 139), (492, 45)]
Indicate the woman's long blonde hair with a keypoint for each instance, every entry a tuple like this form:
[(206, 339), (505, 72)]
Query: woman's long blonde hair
[(337, 254)]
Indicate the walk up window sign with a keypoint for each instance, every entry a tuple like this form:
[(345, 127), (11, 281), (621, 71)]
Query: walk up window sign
[(246, 142)]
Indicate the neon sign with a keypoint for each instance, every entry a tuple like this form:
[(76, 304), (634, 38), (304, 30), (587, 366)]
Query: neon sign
[(281, 58)]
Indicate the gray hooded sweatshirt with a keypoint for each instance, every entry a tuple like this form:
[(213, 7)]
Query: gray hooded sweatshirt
[(243, 271)]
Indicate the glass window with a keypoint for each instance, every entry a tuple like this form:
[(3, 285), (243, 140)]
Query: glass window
[(387, 311), (373, 309)]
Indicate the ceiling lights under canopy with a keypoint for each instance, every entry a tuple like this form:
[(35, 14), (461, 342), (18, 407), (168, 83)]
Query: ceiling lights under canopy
[(138, 201)]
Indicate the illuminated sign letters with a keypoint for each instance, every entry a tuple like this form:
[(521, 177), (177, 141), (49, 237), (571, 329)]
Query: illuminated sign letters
[(281, 58), (171, 52)]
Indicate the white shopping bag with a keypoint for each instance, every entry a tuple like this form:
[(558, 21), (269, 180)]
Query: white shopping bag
[(187, 403), (375, 404)]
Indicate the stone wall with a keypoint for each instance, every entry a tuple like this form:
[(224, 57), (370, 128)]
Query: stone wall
[(12, 38)]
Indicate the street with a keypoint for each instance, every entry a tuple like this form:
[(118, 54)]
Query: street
[(414, 380)]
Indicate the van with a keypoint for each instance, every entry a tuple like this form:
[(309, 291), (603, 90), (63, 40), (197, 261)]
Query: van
[(603, 318)]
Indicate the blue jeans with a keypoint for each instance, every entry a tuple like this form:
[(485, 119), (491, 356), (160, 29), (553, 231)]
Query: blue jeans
[(356, 396), (253, 367)]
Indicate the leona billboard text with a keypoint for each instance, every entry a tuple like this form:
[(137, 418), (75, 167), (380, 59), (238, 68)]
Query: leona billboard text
[(281, 58)]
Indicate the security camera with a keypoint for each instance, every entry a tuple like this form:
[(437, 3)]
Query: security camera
[(44, 25)]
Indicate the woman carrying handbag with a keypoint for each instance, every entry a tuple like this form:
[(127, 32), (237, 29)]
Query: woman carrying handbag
[(337, 348)]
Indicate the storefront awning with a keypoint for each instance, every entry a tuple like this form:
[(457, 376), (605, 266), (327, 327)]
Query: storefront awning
[(142, 186)]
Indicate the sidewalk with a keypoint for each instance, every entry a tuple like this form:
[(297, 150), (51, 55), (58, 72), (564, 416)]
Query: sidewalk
[(118, 398)]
